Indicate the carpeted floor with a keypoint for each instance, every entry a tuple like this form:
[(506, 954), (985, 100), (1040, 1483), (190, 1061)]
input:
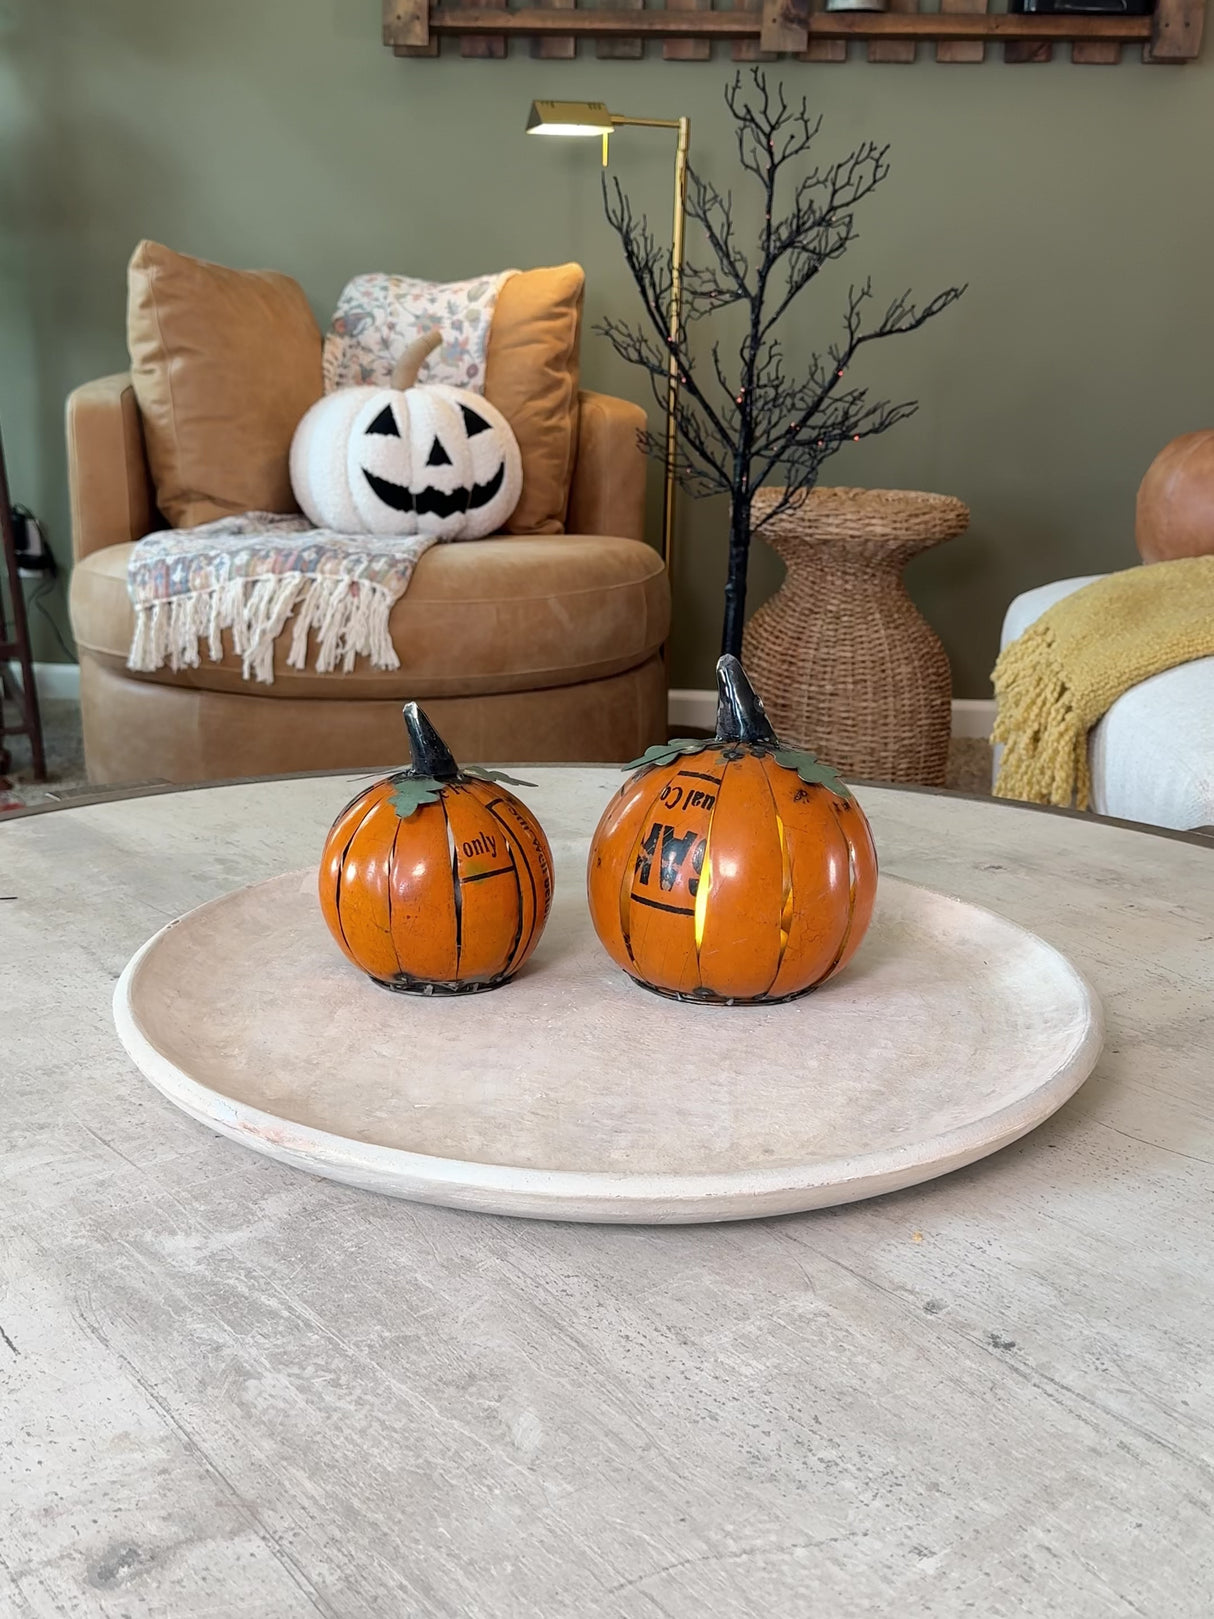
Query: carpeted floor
[(64, 758), (969, 765)]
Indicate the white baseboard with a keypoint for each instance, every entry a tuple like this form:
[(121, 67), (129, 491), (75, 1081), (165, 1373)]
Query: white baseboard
[(54, 680), (696, 708), (972, 716)]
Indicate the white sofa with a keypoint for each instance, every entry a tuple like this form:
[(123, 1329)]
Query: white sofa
[(1152, 755)]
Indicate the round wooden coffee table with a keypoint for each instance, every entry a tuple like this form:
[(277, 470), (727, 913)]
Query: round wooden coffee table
[(231, 1388)]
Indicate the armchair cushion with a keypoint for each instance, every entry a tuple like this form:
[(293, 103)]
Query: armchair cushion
[(508, 614), (531, 375), (224, 364)]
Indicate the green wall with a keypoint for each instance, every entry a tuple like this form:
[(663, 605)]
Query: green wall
[(1077, 203)]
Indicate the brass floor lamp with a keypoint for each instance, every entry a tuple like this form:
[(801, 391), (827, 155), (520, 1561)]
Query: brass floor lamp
[(592, 118)]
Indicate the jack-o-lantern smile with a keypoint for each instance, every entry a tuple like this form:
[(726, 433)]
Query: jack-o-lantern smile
[(406, 460), (432, 501)]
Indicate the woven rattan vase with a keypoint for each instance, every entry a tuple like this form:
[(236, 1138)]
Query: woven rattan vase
[(844, 661)]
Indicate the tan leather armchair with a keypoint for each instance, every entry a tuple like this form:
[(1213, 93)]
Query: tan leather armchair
[(525, 648)]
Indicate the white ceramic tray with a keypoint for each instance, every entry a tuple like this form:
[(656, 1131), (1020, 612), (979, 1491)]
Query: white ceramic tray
[(573, 1094)]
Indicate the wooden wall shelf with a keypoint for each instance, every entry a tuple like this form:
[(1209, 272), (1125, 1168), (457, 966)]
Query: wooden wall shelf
[(765, 29)]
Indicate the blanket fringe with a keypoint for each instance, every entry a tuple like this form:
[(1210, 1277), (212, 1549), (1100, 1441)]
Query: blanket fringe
[(1045, 758), (350, 617)]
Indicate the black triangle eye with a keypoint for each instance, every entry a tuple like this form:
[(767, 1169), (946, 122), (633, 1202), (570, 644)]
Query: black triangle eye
[(385, 423), (473, 423), (438, 457)]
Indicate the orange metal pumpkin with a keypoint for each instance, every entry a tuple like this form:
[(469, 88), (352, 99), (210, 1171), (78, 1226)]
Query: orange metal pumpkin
[(732, 870), (436, 880)]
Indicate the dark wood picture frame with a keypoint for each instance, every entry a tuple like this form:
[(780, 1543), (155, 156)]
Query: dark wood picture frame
[(796, 29)]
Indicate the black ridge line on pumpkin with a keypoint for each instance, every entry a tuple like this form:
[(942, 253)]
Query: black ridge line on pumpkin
[(512, 955), (785, 877), (624, 897), (456, 889), (705, 876), (390, 867), (538, 845), (435, 502), (341, 869), (851, 908), (387, 931)]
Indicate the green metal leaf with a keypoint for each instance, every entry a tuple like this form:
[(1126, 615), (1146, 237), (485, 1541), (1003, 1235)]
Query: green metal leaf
[(482, 774), (409, 793), (812, 771), (665, 753)]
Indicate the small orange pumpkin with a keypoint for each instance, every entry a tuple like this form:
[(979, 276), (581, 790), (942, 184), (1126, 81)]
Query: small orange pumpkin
[(436, 880), (732, 870)]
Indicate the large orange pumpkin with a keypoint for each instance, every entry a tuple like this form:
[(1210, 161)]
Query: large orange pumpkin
[(436, 880), (733, 869)]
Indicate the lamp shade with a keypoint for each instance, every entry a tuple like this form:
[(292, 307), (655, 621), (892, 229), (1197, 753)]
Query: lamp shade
[(569, 118)]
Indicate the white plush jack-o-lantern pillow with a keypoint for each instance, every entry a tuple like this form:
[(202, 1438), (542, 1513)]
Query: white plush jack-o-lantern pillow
[(406, 460)]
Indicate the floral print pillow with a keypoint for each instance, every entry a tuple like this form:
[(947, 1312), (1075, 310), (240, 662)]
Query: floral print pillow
[(379, 315)]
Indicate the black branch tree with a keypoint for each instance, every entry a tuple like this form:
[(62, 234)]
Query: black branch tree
[(740, 427)]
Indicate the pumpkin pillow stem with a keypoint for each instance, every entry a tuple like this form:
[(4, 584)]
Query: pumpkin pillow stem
[(408, 368)]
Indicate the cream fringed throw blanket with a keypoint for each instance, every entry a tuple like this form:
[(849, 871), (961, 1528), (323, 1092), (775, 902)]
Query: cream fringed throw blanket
[(1069, 668), (248, 575)]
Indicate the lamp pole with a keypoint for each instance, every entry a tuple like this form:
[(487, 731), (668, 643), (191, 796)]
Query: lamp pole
[(673, 330), (593, 118)]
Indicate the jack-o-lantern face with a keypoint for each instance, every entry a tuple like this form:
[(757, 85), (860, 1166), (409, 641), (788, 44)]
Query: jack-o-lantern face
[(422, 460), (447, 494)]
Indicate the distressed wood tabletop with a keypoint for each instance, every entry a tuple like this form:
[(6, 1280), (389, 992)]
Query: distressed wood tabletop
[(231, 1389)]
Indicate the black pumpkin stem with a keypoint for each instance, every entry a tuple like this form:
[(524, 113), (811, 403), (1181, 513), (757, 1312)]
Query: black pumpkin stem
[(429, 754), (740, 714)]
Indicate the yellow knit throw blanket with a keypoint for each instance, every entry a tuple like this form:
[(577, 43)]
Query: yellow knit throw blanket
[(1066, 670)]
